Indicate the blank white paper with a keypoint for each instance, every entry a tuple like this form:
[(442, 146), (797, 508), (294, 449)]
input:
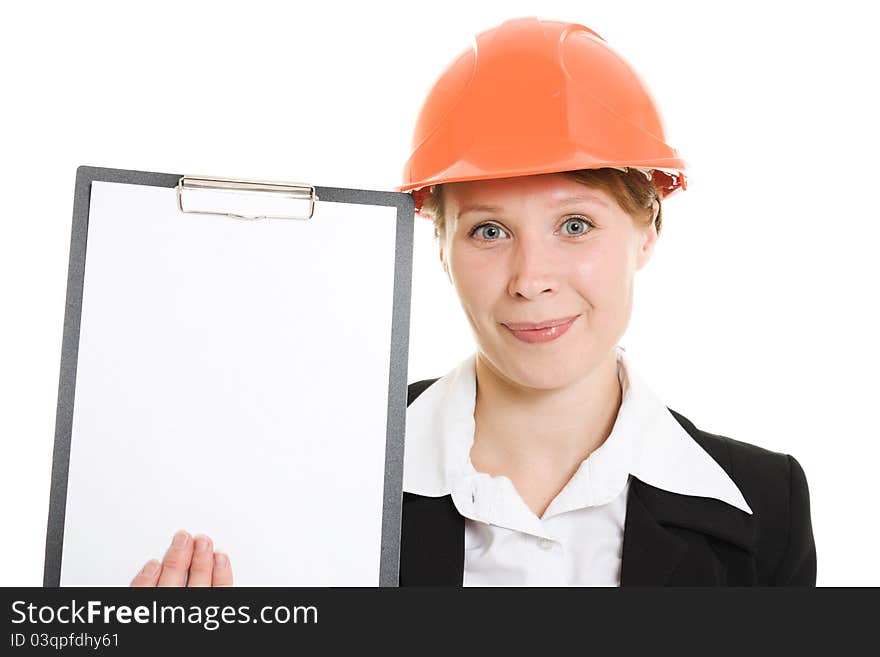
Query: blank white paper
[(232, 379)]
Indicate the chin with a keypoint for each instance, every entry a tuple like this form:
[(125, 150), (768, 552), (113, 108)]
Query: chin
[(549, 366), (541, 373)]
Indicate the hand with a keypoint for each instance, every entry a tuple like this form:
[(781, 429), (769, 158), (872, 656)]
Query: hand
[(188, 562)]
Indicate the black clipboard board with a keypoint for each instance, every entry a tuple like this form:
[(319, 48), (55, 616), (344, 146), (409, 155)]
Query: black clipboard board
[(70, 495)]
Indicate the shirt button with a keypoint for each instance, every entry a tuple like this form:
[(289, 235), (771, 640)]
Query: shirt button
[(545, 544)]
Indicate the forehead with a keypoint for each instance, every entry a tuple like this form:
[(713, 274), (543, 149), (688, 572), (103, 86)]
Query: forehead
[(499, 193)]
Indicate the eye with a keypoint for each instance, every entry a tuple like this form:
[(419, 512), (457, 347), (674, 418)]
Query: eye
[(489, 234), (580, 225)]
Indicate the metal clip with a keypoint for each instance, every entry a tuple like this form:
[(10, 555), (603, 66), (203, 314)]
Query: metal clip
[(224, 195)]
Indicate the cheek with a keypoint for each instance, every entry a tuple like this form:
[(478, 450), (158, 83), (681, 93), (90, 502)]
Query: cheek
[(477, 279), (601, 276)]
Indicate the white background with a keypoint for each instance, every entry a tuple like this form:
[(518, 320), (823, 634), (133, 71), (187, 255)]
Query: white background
[(756, 317)]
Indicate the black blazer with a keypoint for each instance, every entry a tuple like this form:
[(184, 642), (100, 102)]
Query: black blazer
[(669, 539)]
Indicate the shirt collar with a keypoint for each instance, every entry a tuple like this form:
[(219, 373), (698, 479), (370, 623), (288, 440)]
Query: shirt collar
[(645, 441)]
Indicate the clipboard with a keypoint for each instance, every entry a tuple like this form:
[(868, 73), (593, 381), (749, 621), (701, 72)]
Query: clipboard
[(234, 362)]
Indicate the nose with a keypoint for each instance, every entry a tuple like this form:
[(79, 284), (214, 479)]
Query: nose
[(533, 270)]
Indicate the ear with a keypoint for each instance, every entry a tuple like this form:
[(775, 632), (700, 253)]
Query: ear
[(647, 239)]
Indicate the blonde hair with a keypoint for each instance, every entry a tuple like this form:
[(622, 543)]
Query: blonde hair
[(633, 191)]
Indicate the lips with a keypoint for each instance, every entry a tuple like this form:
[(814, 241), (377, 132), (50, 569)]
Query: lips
[(540, 332), (534, 326)]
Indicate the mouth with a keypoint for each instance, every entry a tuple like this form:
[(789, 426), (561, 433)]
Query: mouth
[(540, 332), (534, 326)]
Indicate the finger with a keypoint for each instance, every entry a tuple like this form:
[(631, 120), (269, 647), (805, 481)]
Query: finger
[(149, 574), (200, 572), (177, 560), (222, 570)]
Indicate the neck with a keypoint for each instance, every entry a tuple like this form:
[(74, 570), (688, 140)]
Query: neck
[(526, 432)]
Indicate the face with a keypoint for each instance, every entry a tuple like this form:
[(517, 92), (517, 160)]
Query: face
[(538, 249)]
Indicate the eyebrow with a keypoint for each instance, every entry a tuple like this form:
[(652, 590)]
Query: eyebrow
[(568, 200)]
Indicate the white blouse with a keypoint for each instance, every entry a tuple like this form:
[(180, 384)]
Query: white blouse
[(579, 539)]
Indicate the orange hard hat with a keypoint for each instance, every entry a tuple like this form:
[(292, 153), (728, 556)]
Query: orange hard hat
[(536, 96)]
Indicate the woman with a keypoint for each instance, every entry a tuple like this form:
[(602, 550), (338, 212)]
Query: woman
[(544, 459)]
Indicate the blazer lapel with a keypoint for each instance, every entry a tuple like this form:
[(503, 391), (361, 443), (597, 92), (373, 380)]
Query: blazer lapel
[(681, 540), (431, 542)]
